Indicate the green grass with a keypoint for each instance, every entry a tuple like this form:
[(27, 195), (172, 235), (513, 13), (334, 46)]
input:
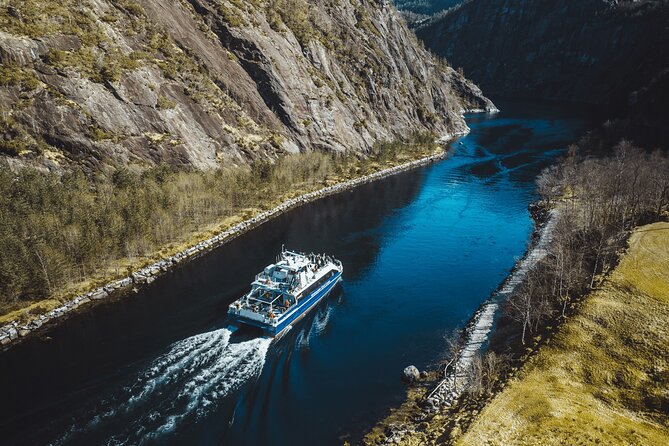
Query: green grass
[(603, 379)]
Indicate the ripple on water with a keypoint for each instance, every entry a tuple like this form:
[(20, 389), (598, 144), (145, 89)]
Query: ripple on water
[(185, 383)]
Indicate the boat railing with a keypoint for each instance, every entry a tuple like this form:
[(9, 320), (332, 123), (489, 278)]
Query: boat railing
[(265, 302)]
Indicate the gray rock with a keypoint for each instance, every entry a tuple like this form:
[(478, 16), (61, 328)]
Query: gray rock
[(410, 374), (17, 50), (99, 294), (35, 324)]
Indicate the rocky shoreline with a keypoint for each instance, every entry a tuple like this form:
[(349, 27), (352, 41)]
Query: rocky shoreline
[(12, 333), (480, 325), (454, 379)]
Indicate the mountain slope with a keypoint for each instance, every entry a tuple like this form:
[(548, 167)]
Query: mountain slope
[(590, 51), (205, 83)]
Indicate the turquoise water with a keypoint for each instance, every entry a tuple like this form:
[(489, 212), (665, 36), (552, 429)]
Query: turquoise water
[(421, 251)]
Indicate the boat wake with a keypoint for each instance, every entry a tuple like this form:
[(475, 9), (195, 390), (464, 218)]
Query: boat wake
[(184, 384), (321, 320), (317, 328)]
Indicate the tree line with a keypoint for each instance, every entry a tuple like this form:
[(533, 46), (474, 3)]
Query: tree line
[(599, 199), (60, 230)]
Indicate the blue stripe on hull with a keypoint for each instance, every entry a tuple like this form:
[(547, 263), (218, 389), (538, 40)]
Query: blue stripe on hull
[(304, 306)]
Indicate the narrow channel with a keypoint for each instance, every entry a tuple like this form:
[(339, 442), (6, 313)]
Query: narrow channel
[(421, 251)]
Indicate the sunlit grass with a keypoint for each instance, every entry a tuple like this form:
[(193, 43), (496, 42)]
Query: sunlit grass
[(604, 378)]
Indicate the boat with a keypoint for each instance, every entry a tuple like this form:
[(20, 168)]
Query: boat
[(285, 291)]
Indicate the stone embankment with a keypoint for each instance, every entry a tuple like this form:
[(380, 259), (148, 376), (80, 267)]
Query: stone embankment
[(456, 376), (15, 331), (476, 333)]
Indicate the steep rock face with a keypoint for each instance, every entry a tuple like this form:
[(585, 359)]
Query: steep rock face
[(205, 83), (590, 51)]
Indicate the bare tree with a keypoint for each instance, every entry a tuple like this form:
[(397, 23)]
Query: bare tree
[(519, 306), (453, 346), (485, 372)]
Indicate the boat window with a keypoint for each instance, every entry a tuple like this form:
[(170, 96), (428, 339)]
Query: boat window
[(318, 283)]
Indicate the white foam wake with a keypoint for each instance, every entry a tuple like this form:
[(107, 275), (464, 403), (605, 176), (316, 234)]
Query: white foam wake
[(317, 327), (185, 383), (321, 321)]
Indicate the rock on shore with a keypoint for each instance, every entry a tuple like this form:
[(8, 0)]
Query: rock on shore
[(410, 374)]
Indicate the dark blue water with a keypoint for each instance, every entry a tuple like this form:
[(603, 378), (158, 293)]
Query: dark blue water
[(421, 251)]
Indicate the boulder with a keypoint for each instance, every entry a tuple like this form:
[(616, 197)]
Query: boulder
[(100, 294), (35, 324), (410, 374), (17, 50), (137, 277)]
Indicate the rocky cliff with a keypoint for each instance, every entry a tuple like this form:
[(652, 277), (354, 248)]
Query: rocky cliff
[(205, 83), (590, 51)]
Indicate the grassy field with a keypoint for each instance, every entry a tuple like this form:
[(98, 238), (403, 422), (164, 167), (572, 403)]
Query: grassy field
[(604, 377)]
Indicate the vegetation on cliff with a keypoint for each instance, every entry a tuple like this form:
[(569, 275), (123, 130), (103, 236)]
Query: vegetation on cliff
[(589, 51), (425, 7), (133, 127), (209, 84)]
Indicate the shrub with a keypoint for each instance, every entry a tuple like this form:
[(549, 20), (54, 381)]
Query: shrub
[(132, 7), (12, 137), (98, 134), (232, 16), (296, 15), (163, 103), (12, 75)]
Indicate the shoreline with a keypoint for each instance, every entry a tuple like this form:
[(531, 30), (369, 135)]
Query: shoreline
[(480, 326), (14, 332), (451, 382), (627, 297)]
